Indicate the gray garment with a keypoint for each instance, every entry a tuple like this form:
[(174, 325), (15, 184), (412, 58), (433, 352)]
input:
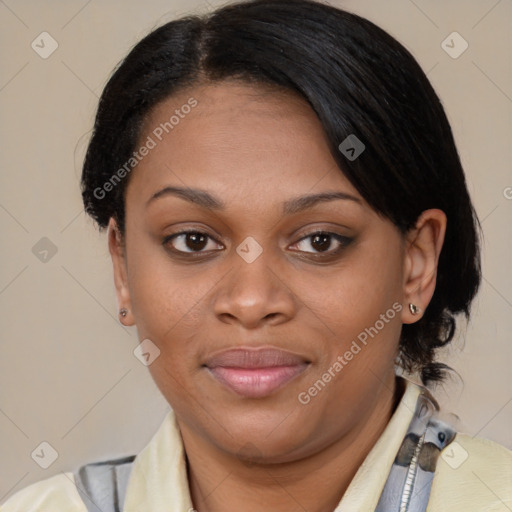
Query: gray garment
[(102, 485), (410, 479)]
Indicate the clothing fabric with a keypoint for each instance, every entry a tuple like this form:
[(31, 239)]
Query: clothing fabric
[(408, 486), (471, 474)]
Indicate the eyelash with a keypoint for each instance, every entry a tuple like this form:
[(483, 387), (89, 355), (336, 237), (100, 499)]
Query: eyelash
[(343, 242)]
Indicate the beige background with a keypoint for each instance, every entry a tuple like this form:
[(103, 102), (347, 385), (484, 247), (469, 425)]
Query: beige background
[(67, 372)]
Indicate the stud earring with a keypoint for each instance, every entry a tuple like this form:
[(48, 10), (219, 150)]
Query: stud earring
[(123, 312), (413, 309)]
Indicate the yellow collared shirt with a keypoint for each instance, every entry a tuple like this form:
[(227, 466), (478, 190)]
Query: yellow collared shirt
[(158, 481)]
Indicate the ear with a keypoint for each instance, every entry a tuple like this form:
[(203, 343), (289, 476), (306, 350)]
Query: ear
[(422, 249), (117, 252)]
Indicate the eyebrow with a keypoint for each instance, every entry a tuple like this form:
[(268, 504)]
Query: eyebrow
[(207, 200)]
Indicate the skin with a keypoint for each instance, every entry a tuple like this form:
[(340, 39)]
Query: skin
[(254, 148)]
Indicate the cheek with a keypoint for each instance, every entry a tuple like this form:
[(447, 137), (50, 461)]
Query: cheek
[(351, 298), (169, 311), (166, 299), (357, 314), (357, 311)]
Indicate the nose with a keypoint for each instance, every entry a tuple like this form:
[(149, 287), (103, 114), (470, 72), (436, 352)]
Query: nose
[(254, 294)]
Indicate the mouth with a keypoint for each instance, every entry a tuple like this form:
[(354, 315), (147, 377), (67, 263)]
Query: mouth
[(255, 373)]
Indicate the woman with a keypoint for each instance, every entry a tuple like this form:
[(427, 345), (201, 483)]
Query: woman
[(290, 232)]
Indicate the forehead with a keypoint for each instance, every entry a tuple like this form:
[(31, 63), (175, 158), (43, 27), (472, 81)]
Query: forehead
[(237, 137), (230, 95)]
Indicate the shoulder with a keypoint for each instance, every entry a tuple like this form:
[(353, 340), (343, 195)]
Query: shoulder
[(54, 494), (472, 474)]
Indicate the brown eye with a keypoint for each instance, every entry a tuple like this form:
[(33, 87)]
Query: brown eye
[(190, 241), (322, 242), (195, 241)]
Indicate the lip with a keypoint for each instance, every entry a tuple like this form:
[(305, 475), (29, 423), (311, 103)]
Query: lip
[(255, 373)]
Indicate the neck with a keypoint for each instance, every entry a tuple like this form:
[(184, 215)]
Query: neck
[(316, 483)]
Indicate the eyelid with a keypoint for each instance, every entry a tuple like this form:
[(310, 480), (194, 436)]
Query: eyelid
[(167, 239), (191, 228), (343, 240)]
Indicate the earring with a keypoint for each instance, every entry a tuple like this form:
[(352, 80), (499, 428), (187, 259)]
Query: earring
[(413, 309), (123, 312)]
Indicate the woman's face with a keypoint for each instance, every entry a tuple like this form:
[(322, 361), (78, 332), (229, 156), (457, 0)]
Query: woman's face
[(271, 335)]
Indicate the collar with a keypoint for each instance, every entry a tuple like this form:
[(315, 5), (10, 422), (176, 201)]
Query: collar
[(159, 481)]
